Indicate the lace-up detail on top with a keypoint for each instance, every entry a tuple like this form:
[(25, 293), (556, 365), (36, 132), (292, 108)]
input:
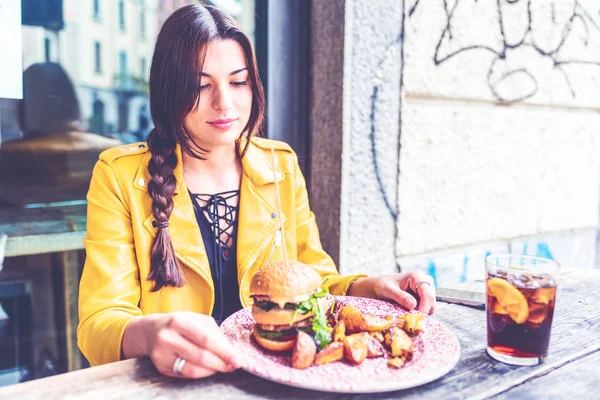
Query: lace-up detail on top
[(217, 219), (221, 215)]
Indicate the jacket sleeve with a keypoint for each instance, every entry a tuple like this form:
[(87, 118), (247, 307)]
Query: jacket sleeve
[(109, 291), (310, 250)]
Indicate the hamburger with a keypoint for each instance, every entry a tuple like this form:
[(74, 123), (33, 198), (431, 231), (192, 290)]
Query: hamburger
[(278, 290)]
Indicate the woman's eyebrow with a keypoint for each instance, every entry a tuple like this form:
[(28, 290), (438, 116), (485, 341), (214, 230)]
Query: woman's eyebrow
[(237, 71)]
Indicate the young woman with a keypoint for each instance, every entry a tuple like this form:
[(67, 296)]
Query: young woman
[(177, 228)]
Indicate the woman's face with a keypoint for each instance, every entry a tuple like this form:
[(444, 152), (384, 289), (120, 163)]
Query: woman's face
[(225, 97)]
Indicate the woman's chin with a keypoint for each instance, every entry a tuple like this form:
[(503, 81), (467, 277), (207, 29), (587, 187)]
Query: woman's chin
[(218, 139)]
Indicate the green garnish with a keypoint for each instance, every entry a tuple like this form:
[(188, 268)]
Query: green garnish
[(320, 327)]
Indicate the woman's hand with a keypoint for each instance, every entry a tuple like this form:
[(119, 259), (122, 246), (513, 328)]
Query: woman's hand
[(195, 338), (396, 287)]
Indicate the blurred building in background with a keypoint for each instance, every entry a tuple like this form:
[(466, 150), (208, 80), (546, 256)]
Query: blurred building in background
[(106, 47)]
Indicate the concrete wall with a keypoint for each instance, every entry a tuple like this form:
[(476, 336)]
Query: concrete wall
[(500, 138), (371, 127)]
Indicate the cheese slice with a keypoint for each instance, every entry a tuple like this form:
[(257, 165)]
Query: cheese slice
[(281, 301)]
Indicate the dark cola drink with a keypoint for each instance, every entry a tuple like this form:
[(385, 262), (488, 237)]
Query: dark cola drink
[(520, 308)]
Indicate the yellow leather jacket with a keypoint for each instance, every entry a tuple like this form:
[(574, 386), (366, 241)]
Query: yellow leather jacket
[(114, 287)]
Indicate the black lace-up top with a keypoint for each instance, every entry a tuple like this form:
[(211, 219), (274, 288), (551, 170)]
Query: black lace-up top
[(217, 220)]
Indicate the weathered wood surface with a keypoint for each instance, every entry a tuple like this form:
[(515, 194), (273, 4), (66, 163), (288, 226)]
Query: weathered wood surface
[(577, 380), (575, 342), (43, 230)]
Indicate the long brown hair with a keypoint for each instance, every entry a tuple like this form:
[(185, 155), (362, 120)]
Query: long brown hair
[(174, 92)]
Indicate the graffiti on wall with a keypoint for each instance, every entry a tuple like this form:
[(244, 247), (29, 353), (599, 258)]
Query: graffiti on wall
[(529, 33), (470, 264), (390, 53), (559, 35)]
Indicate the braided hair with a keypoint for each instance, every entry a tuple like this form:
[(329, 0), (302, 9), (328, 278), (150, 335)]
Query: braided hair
[(174, 93)]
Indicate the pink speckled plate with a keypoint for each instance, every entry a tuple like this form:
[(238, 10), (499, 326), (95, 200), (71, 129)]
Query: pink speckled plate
[(437, 351)]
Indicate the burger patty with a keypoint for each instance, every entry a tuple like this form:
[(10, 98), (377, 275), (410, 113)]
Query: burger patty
[(281, 335), (267, 305), (278, 328)]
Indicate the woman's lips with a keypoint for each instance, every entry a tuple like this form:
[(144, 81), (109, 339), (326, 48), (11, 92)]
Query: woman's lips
[(222, 124)]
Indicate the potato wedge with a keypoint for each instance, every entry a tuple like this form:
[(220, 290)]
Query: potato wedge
[(374, 347), (377, 335), (400, 322), (355, 348), (330, 353), (356, 321), (414, 323), (305, 351), (399, 344), (339, 331), (397, 362)]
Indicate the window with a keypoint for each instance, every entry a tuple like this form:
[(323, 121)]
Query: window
[(123, 65), (47, 49), (97, 57), (143, 23), (85, 89), (122, 14), (96, 9)]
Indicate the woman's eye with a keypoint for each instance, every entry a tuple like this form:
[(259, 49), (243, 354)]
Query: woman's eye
[(239, 83), (202, 87)]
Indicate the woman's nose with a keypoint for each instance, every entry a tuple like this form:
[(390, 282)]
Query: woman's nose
[(222, 100)]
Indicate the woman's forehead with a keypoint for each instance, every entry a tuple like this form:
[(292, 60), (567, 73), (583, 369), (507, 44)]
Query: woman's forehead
[(223, 57)]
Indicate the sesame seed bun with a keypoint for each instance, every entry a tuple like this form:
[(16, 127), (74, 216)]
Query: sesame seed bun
[(281, 279)]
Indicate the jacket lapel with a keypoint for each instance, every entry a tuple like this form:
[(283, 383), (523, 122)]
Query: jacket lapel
[(258, 215)]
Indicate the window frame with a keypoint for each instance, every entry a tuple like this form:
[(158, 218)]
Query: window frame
[(97, 57)]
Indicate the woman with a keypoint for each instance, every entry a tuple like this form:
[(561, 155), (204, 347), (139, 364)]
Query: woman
[(177, 230)]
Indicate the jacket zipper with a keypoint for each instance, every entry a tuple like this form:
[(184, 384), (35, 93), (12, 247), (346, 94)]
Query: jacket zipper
[(276, 243)]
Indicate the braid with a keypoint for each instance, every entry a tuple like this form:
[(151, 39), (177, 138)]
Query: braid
[(164, 270)]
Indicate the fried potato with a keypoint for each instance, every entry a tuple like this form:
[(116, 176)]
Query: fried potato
[(305, 351), (356, 348), (400, 322), (377, 335), (414, 323), (339, 331), (397, 362), (399, 344), (330, 353), (356, 321), (374, 347)]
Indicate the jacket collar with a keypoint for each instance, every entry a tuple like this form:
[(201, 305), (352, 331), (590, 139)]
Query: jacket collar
[(258, 166)]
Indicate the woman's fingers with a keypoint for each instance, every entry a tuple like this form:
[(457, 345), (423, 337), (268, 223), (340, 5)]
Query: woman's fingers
[(175, 343), (426, 293), (188, 370), (204, 333), (392, 291)]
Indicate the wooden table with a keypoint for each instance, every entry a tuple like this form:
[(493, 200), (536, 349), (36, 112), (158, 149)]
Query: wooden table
[(44, 229), (571, 371)]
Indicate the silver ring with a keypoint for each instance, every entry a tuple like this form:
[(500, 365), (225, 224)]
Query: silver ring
[(419, 284), (178, 365)]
